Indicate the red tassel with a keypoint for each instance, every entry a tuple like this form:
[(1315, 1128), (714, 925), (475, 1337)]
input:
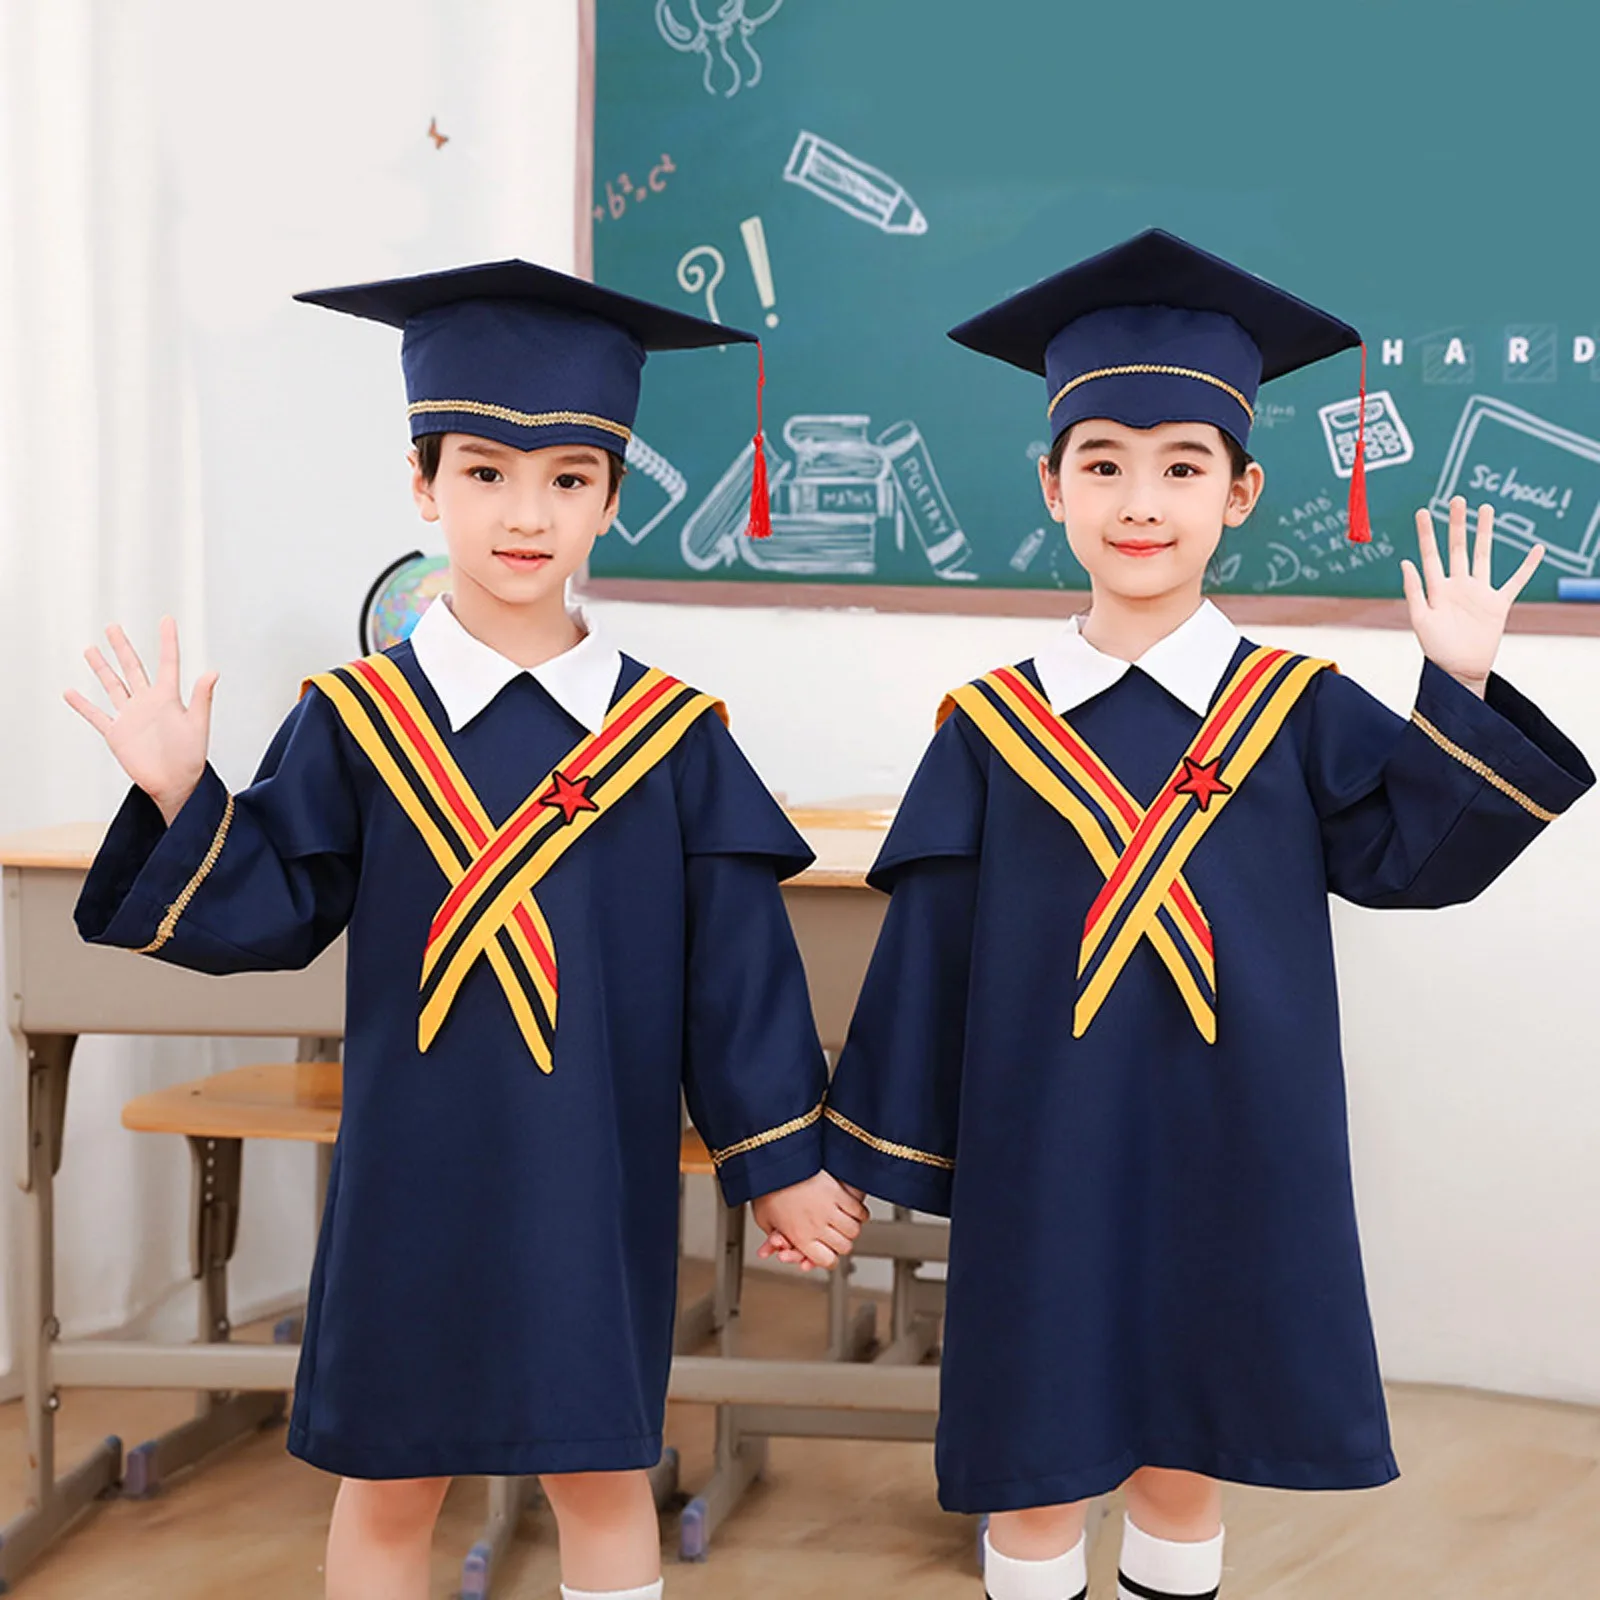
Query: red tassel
[(1360, 521), (760, 526)]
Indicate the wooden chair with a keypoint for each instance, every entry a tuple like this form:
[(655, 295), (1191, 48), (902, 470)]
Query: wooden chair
[(301, 1101), (296, 1100)]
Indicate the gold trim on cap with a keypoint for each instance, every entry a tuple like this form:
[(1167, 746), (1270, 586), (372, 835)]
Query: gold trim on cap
[(523, 419), (1160, 371)]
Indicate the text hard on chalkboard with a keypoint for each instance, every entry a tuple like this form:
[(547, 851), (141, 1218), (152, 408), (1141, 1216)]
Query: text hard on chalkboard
[(850, 179)]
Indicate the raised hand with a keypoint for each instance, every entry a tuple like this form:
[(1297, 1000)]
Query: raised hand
[(810, 1224), (1459, 616), (159, 741)]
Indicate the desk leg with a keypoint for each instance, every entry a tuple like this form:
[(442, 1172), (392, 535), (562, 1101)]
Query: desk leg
[(52, 1503), (219, 1418), (740, 1459)]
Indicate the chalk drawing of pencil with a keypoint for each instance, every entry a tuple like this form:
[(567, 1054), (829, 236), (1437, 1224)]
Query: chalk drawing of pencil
[(836, 176)]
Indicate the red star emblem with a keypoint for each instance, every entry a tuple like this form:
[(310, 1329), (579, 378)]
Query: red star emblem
[(1200, 779), (568, 795)]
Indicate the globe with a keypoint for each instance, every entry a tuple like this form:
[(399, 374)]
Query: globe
[(399, 596)]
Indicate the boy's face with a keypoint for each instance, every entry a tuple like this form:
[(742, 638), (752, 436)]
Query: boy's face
[(1144, 508), (517, 523)]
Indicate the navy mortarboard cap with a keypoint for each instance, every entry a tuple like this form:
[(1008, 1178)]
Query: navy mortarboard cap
[(522, 354), (1156, 330)]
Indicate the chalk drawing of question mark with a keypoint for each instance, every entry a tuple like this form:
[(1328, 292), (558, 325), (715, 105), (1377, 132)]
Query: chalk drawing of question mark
[(695, 279)]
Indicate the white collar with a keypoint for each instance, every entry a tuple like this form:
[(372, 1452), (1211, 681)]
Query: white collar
[(1188, 663), (467, 674)]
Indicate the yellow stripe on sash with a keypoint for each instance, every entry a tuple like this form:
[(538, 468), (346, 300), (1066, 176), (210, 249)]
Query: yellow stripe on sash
[(488, 918), (1114, 800), (654, 685), (1014, 750), (1279, 682), (357, 717)]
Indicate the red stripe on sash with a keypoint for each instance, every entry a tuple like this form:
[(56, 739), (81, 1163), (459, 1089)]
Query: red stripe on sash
[(1109, 790), (420, 744), (514, 831), (1131, 856), (469, 823)]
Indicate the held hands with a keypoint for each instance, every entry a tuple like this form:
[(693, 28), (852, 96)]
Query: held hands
[(810, 1224), (159, 741), (1459, 616)]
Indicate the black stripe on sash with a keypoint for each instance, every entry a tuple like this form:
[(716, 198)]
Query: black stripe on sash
[(542, 830)]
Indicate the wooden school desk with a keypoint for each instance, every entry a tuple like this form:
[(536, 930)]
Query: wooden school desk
[(61, 988)]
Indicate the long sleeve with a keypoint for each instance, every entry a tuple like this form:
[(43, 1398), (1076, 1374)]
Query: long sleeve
[(259, 881), (893, 1104), (1429, 812), (754, 1074)]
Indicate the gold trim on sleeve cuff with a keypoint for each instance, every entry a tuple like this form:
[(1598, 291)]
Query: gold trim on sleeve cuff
[(192, 887), (903, 1151), (1483, 770), (771, 1136), (523, 419)]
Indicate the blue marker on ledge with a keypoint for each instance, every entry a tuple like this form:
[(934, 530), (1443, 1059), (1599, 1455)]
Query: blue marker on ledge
[(1578, 589)]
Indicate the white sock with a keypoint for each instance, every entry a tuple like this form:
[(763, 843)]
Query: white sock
[(651, 1591), (1159, 1569), (1060, 1578)]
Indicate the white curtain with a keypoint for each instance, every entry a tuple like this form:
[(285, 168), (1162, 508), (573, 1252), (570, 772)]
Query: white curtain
[(176, 436)]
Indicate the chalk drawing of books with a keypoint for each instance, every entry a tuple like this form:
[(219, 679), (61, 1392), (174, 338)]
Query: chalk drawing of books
[(1388, 439), (841, 493), (1543, 481), (730, 23), (836, 176), (649, 470)]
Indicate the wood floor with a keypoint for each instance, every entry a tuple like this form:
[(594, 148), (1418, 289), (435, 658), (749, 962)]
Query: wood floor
[(1500, 1499)]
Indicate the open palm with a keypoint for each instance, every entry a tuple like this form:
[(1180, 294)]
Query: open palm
[(1458, 615), (159, 741)]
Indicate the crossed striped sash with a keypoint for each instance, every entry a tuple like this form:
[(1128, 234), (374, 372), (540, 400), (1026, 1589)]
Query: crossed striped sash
[(490, 909), (1141, 852)]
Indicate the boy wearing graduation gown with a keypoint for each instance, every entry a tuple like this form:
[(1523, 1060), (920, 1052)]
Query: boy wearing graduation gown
[(1100, 1029), (560, 881)]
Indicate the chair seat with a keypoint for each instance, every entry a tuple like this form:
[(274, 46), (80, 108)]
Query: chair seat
[(283, 1100), (275, 1100)]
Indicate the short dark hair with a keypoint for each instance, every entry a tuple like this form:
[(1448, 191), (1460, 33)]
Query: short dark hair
[(1238, 457), (430, 447)]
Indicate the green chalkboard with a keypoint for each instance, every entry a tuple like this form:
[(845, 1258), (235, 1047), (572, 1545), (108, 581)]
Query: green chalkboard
[(852, 177)]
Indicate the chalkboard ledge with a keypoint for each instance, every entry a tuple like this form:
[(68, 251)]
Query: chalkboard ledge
[(1280, 610)]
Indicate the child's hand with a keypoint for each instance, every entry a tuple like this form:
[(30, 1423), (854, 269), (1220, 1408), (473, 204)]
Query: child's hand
[(810, 1224), (160, 742), (1459, 618)]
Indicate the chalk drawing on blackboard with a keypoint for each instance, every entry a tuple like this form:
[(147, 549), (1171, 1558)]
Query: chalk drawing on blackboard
[(1542, 479), (1388, 439), (1447, 358), (1284, 567), (1530, 355), (831, 504), (653, 468), (839, 178), (1022, 556), (924, 504), (754, 234), (695, 278), (730, 22)]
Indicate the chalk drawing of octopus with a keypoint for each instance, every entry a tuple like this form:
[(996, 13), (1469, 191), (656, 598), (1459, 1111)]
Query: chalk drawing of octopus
[(729, 20)]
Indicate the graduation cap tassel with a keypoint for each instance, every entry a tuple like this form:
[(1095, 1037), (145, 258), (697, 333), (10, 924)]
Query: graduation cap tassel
[(1360, 522), (760, 526)]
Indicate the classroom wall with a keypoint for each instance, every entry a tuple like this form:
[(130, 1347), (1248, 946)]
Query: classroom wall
[(1475, 1094)]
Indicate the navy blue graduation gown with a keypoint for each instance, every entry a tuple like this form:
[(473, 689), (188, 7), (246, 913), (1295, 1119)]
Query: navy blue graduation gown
[(495, 1278), (1153, 1258)]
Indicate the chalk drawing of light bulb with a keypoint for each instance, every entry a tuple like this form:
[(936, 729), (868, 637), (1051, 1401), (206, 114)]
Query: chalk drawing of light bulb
[(731, 22)]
